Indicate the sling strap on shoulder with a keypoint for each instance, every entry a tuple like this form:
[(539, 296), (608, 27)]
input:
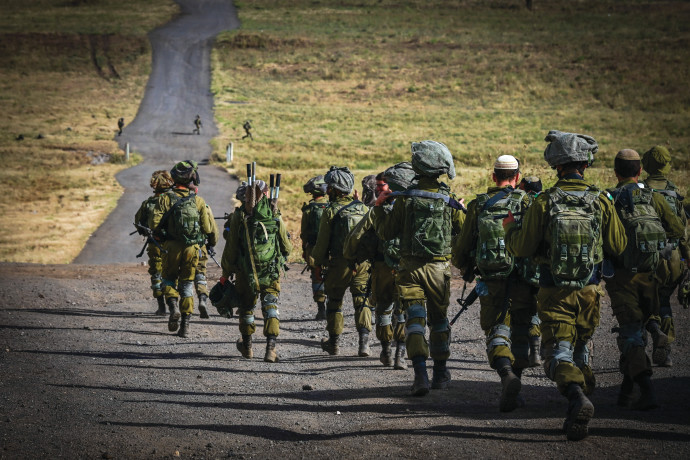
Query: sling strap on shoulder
[(452, 202)]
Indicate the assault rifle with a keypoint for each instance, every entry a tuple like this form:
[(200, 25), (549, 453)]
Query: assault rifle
[(465, 302), (212, 253), (148, 233), (226, 216), (503, 216)]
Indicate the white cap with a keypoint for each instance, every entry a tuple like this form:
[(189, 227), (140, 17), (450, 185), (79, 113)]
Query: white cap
[(506, 162)]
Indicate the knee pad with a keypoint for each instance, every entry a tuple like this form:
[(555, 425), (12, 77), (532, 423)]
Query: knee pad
[(186, 289), (400, 318), (248, 319), (317, 287), (269, 299), (384, 320), (439, 337), (499, 336), (581, 355), (271, 313), (560, 353), (200, 278), (535, 321), (170, 283), (630, 336)]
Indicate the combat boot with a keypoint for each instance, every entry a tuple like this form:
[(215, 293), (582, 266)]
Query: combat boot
[(271, 356), (174, 314), (626, 392), (440, 378), (420, 386), (203, 313), (331, 344), (668, 362), (244, 346), (580, 411), (385, 356), (184, 325), (321, 312), (400, 362), (659, 343), (363, 343), (161, 306), (511, 385), (647, 399), (534, 351)]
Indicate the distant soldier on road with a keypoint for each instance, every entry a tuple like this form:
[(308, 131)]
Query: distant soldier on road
[(197, 125), (120, 125), (247, 129)]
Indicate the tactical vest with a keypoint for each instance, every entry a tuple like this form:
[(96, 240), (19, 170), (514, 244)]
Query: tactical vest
[(315, 210), (646, 234), (491, 256), (260, 243), (426, 231), (674, 200), (184, 217), (344, 220), (575, 224)]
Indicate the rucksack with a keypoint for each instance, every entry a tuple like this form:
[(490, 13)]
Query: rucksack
[(262, 228), (427, 227), (315, 210), (646, 234), (674, 200), (576, 241), (185, 219), (491, 256), (344, 220)]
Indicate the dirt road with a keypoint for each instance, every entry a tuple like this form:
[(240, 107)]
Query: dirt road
[(89, 372)]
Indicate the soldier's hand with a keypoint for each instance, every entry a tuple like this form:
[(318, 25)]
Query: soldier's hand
[(382, 198), (509, 219), (356, 195)]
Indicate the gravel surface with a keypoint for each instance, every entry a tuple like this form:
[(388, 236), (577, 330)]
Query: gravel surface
[(89, 372)]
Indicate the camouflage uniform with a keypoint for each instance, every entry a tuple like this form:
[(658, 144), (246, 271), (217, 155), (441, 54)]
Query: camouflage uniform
[(308, 236)]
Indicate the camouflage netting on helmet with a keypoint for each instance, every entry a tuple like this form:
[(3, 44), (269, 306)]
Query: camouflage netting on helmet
[(241, 191), (315, 186), (431, 159), (185, 172), (569, 148), (369, 190), (657, 160), (340, 179), (161, 180), (400, 177)]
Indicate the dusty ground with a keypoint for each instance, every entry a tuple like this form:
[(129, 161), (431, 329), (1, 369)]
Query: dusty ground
[(89, 372)]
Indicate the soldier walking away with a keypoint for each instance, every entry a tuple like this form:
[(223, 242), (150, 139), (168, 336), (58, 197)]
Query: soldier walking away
[(649, 221), (160, 183), (120, 125), (256, 248), (425, 223), (369, 190), (567, 229), (309, 230), (247, 129), (508, 300), (656, 162), (339, 218), (184, 221), (197, 125)]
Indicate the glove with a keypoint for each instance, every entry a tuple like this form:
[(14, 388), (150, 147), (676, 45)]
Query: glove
[(210, 250)]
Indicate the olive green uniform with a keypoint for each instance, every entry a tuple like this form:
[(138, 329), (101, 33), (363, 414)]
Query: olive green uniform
[(634, 296), (308, 237), (340, 275), (237, 255), (423, 283), (155, 257), (568, 316), (507, 332), (181, 260)]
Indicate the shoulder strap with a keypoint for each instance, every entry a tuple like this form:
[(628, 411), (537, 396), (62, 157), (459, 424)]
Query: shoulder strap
[(349, 205), (452, 202), (496, 198), (177, 204)]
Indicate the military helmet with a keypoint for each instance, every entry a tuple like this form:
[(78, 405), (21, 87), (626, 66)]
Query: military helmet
[(316, 186), (340, 179), (241, 191), (161, 180), (431, 159), (400, 177), (185, 172), (566, 148), (657, 160)]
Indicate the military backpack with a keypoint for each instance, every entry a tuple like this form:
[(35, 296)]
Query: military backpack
[(261, 243), (185, 220), (315, 211), (646, 234), (675, 202), (427, 228), (344, 220)]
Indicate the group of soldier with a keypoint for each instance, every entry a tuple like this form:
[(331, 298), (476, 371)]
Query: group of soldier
[(537, 258)]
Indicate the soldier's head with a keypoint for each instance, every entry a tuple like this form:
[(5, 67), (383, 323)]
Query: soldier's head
[(506, 171), (161, 180), (657, 160), (400, 177), (340, 181), (369, 190), (241, 191), (531, 184), (185, 173), (381, 185), (432, 159), (316, 186), (627, 164), (569, 152)]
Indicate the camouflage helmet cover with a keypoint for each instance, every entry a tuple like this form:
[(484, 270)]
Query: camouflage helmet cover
[(340, 179), (161, 180), (185, 172), (400, 177), (566, 148), (241, 191), (316, 186), (657, 160), (431, 159)]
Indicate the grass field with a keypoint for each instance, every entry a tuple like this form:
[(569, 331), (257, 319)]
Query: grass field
[(69, 70), (354, 82)]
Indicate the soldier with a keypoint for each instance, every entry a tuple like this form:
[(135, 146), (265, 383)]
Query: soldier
[(369, 190), (363, 244), (339, 218), (200, 283), (120, 125), (309, 229), (256, 249), (648, 220), (247, 129), (160, 183), (183, 220), (423, 220), (531, 185), (197, 125), (567, 229), (508, 303), (657, 164)]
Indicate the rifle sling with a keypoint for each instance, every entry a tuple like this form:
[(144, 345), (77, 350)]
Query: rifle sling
[(452, 202)]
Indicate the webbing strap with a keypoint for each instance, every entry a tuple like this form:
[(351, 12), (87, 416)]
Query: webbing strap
[(166, 216), (497, 197), (452, 202)]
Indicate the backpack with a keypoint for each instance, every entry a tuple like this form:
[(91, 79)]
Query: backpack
[(315, 210), (674, 200), (427, 227), (344, 220), (185, 219), (575, 221), (261, 238), (646, 234), (490, 253)]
